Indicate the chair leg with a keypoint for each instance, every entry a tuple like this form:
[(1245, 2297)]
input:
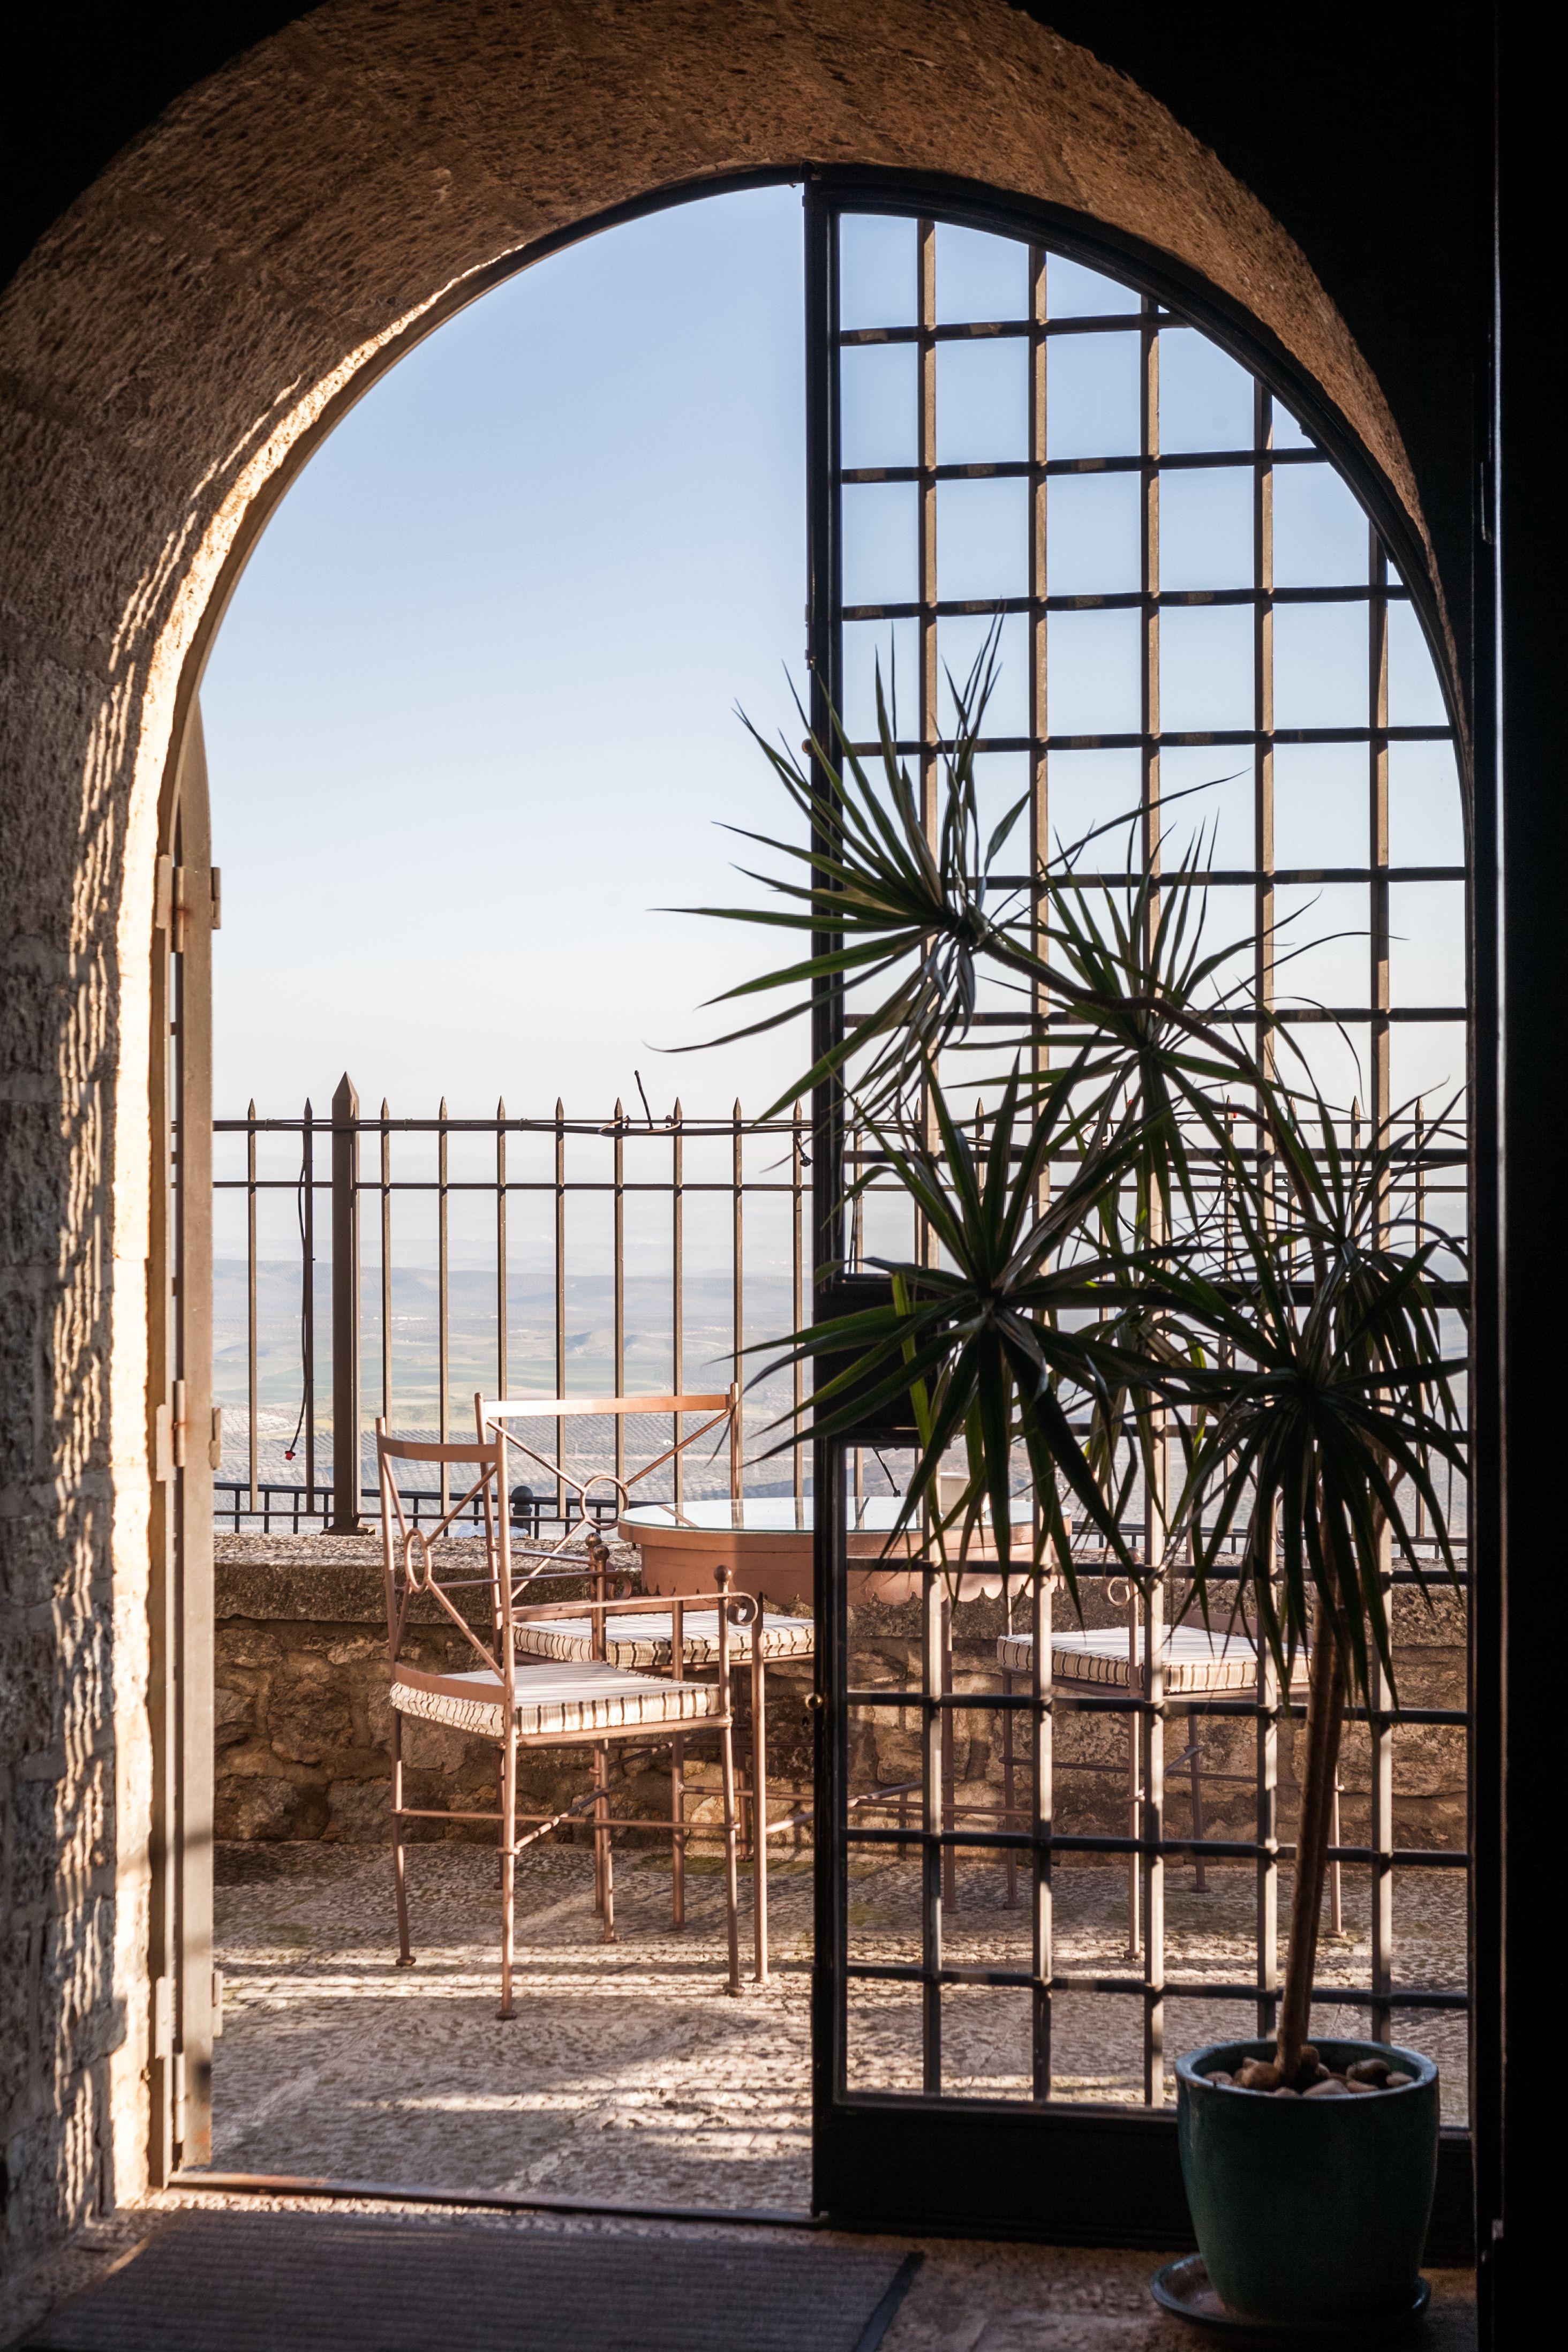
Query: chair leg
[(1007, 1789), (508, 1867), (1134, 1860), (405, 1956), (759, 1800), (677, 1821), (603, 1856), (1200, 1873), (732, 1884), (948, 1854)]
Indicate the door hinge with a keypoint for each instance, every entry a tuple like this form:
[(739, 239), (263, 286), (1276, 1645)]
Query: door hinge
[(162, 1444), (215, 1443), (177, 1430), (171, 903)]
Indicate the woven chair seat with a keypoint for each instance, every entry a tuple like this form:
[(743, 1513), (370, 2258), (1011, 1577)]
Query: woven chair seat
[(646, 1641), (568, 1699), (1195, 1660)]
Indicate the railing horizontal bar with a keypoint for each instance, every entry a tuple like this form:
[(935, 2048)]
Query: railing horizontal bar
[(1102, 600), (1285, 1015), (1210, 739), (1115, 322), (1068, 1700), (1211, 1849), (1141, 1988), (1210, 878)]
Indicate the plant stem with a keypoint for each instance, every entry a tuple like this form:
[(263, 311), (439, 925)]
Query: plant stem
[(1325, 1720)]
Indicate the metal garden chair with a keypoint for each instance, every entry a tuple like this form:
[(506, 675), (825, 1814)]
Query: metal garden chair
[(679, 1638), (523, 1700)]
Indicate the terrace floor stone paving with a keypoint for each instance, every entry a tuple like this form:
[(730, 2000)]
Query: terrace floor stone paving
[(630, 2074), (630, 2077)]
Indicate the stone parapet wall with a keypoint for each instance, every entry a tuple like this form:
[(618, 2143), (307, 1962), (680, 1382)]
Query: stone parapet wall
[(303, 1723)]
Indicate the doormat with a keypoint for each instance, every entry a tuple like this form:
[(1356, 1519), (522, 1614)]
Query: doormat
[(326, 2283)]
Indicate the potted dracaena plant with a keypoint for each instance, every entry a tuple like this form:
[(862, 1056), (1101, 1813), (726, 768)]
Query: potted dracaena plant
[(1296, 1367)]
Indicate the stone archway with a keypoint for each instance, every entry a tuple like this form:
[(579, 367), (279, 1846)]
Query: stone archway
[(174, 348)]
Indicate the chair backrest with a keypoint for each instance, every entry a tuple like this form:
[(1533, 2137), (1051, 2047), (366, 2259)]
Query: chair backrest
[(407, 1549), (720, 1408)]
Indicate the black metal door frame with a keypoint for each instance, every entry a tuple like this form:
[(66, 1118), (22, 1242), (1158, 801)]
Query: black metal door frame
[(1074, 2173)]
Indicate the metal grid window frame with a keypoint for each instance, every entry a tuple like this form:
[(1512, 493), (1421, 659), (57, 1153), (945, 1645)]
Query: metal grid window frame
[(1439, 1161)]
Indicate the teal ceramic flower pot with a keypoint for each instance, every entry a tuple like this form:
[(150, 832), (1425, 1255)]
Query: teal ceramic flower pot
[(1310, 2209)]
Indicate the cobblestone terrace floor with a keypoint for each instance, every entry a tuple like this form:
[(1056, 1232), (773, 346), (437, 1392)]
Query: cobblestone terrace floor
[(628, 2073), (630, 2076)]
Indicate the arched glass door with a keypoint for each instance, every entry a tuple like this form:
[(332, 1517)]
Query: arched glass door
[(1201, 632)]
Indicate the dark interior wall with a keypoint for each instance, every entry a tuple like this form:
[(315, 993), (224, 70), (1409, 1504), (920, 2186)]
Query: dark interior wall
[(1357, 126), (1364, 129)]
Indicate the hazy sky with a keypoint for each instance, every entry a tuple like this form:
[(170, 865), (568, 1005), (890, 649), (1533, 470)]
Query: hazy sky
[(471, 722), (471, 714)]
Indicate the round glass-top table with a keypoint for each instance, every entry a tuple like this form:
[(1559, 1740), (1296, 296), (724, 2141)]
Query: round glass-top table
[(765, 1542)]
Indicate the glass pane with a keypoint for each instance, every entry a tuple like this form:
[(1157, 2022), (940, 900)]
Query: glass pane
[(1323, 944), (1001, 782), (1321, 538), (1205, 398), (1075, 293), (1426, 944), (979, 277), (1093, 535), (1334, 1058), (1427, 1058), (881, 542), (1287, 434), (1426, 820), (1224, 916), (959, 641), (1414, 697), (1321, 666), (877, 279), (1092, 396), (878, 384), (1207, 808), (1087, 789), (1095, 676), (981, 539), (982, 403), (1206, 668), (987, 2040), (883, 2046), (1322, 805), (1206, 528), (892, 647)]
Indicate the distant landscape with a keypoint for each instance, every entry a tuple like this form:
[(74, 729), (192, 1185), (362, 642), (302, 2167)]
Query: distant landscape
[(472, 1359)]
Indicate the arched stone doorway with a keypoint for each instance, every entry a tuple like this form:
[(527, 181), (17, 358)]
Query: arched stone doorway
[(177, 345)]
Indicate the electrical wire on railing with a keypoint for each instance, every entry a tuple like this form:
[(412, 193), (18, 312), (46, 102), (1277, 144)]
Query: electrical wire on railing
[(307, 1265)]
